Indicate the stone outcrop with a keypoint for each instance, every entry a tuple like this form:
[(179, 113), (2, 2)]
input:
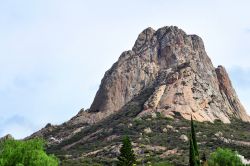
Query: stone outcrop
[(184, 79), (183, 75), (220, 136), (229, 94), (7, 137)]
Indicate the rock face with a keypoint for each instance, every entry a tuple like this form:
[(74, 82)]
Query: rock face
[(184, 78), (6, 137), (228, 92)]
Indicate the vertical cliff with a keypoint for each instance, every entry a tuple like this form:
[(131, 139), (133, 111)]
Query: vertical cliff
[(174, 69), (183, 75)]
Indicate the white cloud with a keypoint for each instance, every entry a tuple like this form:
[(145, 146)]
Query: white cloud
[(19, 127)]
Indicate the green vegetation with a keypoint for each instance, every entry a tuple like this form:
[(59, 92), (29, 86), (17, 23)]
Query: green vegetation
[(25, 153), (127, 156), (93, 161), (205, 136), (166, 132), (194, 159), (206, 139), (162, 163), (224, 157)]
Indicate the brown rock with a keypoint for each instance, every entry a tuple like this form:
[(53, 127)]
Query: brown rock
[(183, 75), (184, 80), (7, 137), (230, 96)]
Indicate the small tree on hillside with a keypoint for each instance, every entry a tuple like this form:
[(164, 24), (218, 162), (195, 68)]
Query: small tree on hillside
[(224, 157), (194, 159), (25, 153), (127, 156)]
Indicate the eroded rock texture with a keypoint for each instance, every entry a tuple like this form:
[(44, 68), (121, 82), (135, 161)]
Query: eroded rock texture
[(184, 80), (183, 75)]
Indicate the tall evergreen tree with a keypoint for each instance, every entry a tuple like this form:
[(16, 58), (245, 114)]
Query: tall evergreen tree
[(127, 156), (193, 135), (194, 159)]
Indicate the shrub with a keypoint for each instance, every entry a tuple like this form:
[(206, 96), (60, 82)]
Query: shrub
[(25, 153), (127, 156), (162, 163), (224, 157)]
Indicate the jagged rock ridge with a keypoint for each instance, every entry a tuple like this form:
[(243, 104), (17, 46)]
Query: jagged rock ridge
[(183, 75), (184, 80)]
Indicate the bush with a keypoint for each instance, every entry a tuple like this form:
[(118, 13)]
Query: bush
[(224, 157), (127, 156), (25, 153), (163, 163)]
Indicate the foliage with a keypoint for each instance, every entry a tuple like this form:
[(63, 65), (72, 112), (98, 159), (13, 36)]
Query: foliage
[(205, 135), (193, 135), (127, 156), (224, 157), (162, 163), (194, 159), (25, 153)]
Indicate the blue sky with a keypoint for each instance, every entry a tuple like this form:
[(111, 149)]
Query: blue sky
[(53, 53)]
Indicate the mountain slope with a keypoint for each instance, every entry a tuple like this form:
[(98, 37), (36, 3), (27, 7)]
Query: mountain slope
[(167, 75), (183, 75), (184, 78)]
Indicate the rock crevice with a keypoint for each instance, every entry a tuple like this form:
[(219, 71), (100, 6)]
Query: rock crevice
[(183, 78), (172, 59)]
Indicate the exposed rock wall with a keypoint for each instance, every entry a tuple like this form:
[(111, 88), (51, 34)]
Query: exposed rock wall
[(184, 78)]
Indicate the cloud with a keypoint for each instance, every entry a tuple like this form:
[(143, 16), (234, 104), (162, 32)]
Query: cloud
[(18, 126)]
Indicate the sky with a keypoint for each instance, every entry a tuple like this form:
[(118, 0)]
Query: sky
[(54, 53)]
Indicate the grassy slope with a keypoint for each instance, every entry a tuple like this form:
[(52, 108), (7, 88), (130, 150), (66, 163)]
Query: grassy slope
[(117, 124)]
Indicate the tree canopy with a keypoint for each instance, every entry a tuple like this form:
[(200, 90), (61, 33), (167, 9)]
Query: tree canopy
[(224, 157), (194, 159), (25, 153), (127, 156)]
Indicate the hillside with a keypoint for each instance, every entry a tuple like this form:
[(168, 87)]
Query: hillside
[(150, 94)]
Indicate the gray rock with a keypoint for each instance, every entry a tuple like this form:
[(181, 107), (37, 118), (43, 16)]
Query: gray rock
[(147, 130), (183, 78), (184, 138), (183, 75)]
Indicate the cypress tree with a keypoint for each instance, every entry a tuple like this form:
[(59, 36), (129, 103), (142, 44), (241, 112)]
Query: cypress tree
[(127, 156), (193, 134), (194, 159)]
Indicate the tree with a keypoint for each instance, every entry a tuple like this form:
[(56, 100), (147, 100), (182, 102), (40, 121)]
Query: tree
[(224, 157), (127, 156), (25, 153), (194, 159)]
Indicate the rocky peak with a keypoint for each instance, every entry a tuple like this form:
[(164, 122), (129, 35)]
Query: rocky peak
[(144, 40), (178, 76), (183, 75)]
